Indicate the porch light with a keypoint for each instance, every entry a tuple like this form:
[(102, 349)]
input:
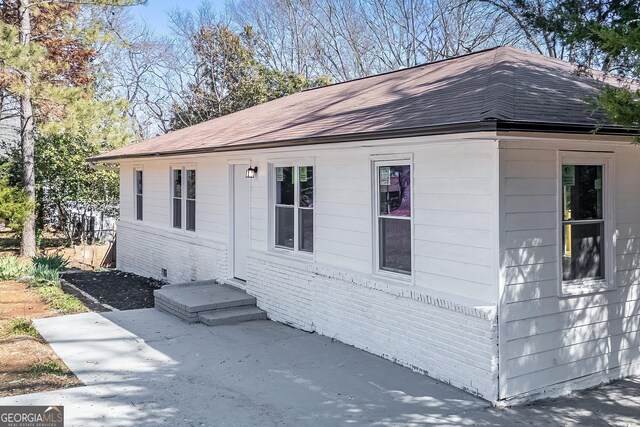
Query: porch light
[(252, 172)]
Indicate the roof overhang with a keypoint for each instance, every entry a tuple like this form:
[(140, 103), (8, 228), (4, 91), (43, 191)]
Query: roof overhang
[(491, 125)]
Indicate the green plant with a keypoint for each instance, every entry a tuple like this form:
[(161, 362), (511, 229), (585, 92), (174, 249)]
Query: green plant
[(58, 300), (11, 267), (53, 262), (43, 275), (20, 326), (15, 206), (48, 367)]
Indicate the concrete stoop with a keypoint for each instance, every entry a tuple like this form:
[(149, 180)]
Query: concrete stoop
[(207, 302)]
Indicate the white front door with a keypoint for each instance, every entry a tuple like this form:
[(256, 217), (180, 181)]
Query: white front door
[(241, 220)]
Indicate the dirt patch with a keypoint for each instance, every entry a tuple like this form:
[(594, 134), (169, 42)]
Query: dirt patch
[(17, 300), (82, 256), (19, 353), (123, 291), (10, 244)]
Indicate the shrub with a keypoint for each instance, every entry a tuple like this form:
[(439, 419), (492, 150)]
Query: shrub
[(15, 206), (20, 326), (53, 262), (11, 267), (49, 367)]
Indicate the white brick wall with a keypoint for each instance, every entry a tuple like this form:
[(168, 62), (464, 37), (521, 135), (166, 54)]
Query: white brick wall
[(430, 323), (446, 340), (146, 250)]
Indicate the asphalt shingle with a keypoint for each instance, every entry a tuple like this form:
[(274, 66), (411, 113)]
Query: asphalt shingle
[(504, 84)]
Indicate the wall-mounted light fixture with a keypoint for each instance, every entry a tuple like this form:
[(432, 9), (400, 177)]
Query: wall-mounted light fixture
[(252, 172)]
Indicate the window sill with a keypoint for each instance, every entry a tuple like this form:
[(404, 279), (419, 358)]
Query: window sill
[(292, 255), (585, 287), (398, 278)]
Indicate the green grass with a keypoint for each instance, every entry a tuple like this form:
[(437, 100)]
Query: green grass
[(49, 367), (58, 300), (20, 326)]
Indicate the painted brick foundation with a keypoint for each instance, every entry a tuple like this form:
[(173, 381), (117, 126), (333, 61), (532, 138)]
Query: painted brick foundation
[(447, 341), (145, 250)]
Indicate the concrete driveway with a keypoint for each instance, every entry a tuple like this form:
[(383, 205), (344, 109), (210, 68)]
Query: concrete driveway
[(143, 367)]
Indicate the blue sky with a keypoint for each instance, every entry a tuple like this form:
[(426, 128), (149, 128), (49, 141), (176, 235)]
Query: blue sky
[(154, 12)]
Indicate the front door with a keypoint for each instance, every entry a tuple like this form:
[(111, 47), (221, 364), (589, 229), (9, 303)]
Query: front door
[(241, 220)]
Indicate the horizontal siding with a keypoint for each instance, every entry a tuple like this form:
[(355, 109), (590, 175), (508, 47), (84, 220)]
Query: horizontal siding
[(547, 339), (525, 347), (583, 367), (454, 200), (529, 256)]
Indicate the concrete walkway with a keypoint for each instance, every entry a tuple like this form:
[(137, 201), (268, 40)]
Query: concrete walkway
[(143, 367)]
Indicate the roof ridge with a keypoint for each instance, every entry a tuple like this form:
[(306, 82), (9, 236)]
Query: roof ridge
[(424, 64), (486, 88)]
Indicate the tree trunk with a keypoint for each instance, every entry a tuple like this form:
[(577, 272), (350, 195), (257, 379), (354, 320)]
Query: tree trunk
[(28, 243)]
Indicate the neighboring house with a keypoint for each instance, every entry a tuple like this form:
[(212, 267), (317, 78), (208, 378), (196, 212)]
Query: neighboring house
[(9, 133), (461, 218)]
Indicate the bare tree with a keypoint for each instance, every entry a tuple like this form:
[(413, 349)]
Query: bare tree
[(280, 32), (341, 39), (353, 38), (139, 67), (544, 41)]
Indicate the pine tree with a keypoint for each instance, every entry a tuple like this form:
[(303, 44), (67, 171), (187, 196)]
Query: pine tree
[(230, 79), (45, 66), (598, 34)]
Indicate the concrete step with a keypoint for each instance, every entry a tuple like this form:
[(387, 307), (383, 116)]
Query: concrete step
[(228, 316), (207, 302), (169, 309), (201, 296)]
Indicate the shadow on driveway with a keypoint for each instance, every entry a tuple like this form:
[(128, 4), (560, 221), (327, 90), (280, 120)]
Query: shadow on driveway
[(143, 367)]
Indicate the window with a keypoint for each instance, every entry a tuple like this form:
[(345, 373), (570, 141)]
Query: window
[(177, 198), (393, 216), (191, 200), (294, 203), (138, 174), (585, 223), (582, 223), (183, 198)]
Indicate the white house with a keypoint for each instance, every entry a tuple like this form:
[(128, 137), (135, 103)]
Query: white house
[(462, 218)]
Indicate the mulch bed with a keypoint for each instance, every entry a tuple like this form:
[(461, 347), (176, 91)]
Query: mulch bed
[(124, 291)]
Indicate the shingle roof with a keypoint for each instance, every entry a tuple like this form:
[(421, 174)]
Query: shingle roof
[(502, 84)]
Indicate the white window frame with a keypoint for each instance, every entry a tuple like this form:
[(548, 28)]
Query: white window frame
[(585, 286), (183, 196), (185, 192), (382, 161), (137, 169), (295, 164), (173, 196)]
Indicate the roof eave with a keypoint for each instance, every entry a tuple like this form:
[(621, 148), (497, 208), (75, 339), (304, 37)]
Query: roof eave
[(488, 125), (478, 126), (569, 128)]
